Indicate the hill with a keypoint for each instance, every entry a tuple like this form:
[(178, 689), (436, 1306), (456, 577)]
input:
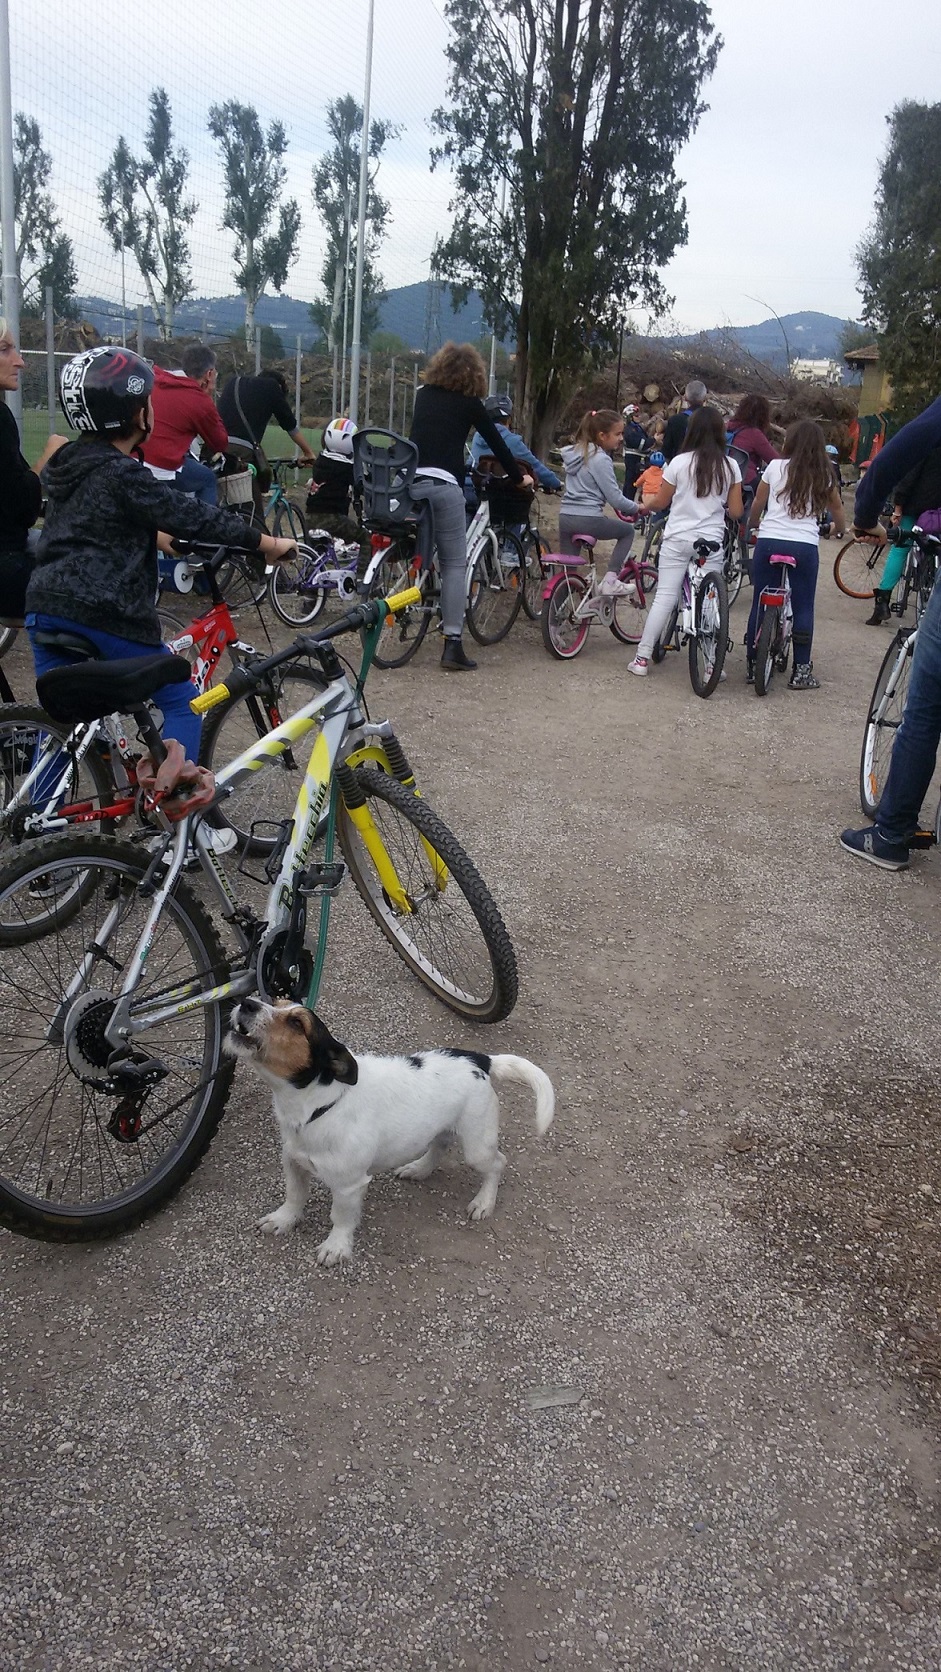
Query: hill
[(810, 336)]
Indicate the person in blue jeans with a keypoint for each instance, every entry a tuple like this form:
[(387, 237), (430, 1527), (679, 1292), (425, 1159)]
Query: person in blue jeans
[(886, 843)]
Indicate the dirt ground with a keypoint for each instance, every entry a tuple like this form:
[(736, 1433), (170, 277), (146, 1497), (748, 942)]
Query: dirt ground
[(726, 1250)]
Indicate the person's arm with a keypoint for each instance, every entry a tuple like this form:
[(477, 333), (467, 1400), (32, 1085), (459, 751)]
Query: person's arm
[(20, 487), (893, 461), (302, 445), (211, 428), (660, 500), (761, 447), (485, 426), (158, 507), (734, 504), (758, 504), (602, 469), (544, 476), (837, 513)]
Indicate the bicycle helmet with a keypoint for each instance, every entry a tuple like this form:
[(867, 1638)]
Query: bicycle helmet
[(629, 411), (834, 452), (338, 438), (498, 406), (104, 389), (657, 457)]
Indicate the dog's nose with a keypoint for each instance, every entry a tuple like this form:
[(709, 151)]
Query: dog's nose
[(249, 1008)]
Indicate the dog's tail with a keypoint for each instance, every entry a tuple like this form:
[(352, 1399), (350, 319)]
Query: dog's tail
[(519, 1068)]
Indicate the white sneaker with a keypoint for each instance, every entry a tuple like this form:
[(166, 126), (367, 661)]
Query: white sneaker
[(638, 666), (612, 587)]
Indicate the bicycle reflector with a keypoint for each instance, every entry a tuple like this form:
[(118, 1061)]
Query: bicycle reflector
[(210, 699), (403, 600)]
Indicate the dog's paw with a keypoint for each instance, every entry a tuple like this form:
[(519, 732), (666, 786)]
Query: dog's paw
[(481, 1207), (279, 1223), (413, 1170), (333, 1250)]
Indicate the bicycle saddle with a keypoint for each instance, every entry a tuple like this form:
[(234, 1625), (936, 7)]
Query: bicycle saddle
[(782, 557), (75, 643), (705, 548), (586, 540), (94, 689)]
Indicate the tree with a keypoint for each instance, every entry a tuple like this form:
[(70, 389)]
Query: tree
[(336, 195), (579, 106), (899, 259), (44, 254), (854, 335), (145, 211), (254, 181), (388, 342)]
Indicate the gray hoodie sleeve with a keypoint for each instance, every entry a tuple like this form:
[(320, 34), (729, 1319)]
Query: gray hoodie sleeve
[(601, 469)]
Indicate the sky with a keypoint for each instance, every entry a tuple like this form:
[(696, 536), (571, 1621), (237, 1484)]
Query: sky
[(779, 175)]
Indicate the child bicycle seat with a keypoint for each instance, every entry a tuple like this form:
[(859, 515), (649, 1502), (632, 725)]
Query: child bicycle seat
[(384, 466)]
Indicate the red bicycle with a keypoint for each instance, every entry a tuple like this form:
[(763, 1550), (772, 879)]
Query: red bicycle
[(53, 776), (572, 601)]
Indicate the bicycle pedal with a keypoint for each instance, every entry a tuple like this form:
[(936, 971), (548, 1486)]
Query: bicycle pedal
[(922, 839), (322, 879)]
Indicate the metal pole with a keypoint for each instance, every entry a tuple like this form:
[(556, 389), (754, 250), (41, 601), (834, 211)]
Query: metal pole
[(414, 385), (368, 381), (50, 360), (205, 330), (140, 328), (361, 225), (297, 387), (334, 396), (617, 381), (123, 294), (10, 286), (492, 387), (257, 349), (392, 394), (346, 295)]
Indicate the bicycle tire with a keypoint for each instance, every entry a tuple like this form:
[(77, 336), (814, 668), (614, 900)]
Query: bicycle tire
[(283, 585), (707, 650), (403, 633), (7, 639), (629, 620), (766, 649), (734, 570), (658, 653), (495, 591), (879, 735), (562, 635), (534, 583), (21, 725), (243, 581), (268, 796), (857, 565), (393, 807), (66, 1175), (652, 544)]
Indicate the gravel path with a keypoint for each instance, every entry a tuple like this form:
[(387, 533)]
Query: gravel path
[(218, 1455)]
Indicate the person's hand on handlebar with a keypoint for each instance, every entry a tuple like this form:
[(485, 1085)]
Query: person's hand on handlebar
[(277, 551), (877, 533)]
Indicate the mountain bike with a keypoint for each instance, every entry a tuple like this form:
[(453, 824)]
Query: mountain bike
[(55, 776), (701, 620), (775, 627), (572, 601), (115, 1002)]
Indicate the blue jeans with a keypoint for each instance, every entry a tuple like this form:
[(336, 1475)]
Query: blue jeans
[(179, 721), (198, 480), (803, 590), (916, 744)]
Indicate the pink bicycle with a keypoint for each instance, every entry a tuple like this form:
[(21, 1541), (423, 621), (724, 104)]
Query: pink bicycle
[(573, 602)]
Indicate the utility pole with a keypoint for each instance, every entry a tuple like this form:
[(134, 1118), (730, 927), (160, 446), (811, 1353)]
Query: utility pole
[(11, 290), (357, 344), (492, 388)]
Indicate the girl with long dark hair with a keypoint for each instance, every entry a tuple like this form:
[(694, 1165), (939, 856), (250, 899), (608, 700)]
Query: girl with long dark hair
[(793, 492), (699, 485)]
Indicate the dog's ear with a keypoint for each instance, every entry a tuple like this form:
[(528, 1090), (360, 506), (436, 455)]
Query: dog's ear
[(343, 1064)]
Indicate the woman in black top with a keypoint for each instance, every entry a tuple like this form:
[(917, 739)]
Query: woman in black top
[(20, 490), (447, 408)]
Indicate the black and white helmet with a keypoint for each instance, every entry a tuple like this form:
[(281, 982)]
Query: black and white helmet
[(498, 406), (104, 388)]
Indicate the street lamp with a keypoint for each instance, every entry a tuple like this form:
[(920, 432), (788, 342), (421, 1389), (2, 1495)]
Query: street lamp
[(356, 347)]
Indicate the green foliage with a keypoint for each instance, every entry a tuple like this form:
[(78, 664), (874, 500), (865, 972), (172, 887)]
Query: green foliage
[(579, 107), (44, 254), (336, 196), (272, 346), (388, 342), (145, 211), (265, 247), (855, 335), (899, 259)]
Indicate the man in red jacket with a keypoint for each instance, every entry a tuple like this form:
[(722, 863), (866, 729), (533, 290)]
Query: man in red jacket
[(184, 409)]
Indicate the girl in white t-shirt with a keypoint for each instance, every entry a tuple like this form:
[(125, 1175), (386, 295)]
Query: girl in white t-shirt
[(699, 485), (793, 492)]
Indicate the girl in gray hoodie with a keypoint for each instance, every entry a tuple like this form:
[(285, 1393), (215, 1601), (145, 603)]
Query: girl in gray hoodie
[(590, 485)]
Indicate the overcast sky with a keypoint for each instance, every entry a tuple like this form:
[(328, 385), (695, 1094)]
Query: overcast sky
[(779, 175)]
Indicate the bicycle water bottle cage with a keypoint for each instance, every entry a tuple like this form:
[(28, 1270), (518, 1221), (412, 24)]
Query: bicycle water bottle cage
[(384, 466)]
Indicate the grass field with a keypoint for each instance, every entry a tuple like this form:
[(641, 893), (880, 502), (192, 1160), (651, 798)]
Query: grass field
[(35, 431)]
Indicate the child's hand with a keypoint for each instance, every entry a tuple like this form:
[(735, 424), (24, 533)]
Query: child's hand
[(193, 785), (277, 551)]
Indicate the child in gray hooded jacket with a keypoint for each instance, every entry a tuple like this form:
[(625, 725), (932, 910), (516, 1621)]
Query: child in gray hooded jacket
[(590, 485)]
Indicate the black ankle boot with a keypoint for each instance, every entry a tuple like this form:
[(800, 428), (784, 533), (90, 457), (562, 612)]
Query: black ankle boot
[(880, 608), (454, 658)]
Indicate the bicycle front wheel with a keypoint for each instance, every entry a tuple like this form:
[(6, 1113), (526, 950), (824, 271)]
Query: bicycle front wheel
[(269, 795), (857, 567), (563, 631), (77, 1160), (708, 646), (452, 936), (886, 708), (495, 593), (630, 618), (534, 575)]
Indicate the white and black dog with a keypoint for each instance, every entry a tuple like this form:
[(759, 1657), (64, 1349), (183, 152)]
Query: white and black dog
[(342, 1118)]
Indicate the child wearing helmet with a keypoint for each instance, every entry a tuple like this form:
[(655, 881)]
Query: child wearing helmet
[(96, 562), (650, 479), (330, 493)]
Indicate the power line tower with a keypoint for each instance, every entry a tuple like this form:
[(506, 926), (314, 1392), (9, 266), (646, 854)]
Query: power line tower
[(433, 305)]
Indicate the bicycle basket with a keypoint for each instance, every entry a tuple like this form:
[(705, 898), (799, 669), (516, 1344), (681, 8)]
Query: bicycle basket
[(235, 489)]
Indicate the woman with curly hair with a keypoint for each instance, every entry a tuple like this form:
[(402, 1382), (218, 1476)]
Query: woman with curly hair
[(747, 429), (447, 407)]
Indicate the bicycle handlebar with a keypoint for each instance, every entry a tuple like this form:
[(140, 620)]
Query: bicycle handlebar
[(367, 614)]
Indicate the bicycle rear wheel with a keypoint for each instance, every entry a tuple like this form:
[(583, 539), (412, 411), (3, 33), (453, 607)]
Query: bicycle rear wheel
[(629, 618), (766, 649), (293, 592), (453, 938), (402, 633), (28, 736), (563, 633), (78, 1161), (534, 575), (667, 637), (710, 642), (857, 567), (496, 588), (886, 708)]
